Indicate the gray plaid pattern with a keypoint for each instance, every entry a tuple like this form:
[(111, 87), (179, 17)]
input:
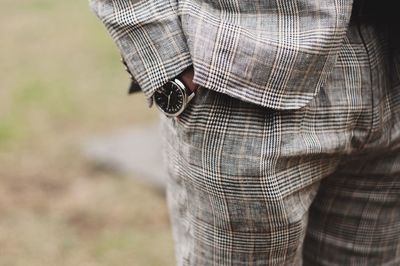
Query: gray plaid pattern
[(289, 153), (272, 53), (319, 185)]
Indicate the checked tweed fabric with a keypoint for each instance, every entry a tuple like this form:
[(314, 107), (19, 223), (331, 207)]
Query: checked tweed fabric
[(290, 152), (320, 185), (272, 53)]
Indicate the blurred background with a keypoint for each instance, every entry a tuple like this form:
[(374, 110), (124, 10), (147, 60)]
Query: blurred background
[(62, 86)]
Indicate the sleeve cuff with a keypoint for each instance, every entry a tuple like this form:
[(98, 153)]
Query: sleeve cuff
[(150, 38)]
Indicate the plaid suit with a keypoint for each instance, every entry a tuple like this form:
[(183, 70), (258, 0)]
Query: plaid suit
[(289, 153)]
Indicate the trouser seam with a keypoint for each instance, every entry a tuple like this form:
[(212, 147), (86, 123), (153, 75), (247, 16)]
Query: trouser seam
[(371, 79)]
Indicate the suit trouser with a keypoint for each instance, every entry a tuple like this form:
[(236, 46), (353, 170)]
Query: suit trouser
[(318, 185)]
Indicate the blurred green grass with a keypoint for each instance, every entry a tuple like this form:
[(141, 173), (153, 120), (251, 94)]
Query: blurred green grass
[(58, 60), (61, 83)]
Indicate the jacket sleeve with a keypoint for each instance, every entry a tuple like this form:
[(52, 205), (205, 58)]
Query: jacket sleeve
[(149, 36), (275, 53)]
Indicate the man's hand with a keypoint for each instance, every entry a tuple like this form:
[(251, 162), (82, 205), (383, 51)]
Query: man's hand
[(187, 78)]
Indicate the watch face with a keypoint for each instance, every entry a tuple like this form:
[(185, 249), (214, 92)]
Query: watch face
[(170, 98)]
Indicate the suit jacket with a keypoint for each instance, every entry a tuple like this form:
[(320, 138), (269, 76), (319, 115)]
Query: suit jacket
[(275, 53)]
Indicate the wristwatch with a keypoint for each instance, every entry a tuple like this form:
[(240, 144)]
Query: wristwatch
[(173, 97)]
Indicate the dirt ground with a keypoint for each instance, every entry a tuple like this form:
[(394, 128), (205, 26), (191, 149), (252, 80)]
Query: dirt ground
[(61, 83)]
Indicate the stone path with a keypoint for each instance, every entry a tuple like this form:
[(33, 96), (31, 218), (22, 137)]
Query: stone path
[(135, 152)]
